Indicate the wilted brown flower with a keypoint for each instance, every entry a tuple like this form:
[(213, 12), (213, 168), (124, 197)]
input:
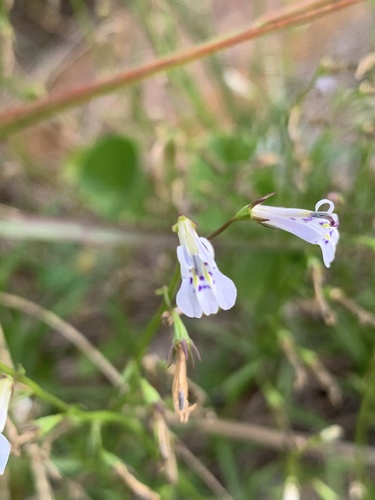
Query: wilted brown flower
[(180, 387)]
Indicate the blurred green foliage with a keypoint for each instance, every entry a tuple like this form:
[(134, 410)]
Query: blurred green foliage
[(108, 176)]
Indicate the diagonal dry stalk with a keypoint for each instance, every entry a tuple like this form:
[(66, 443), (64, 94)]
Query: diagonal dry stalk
[(364, 317), (20, 117), (38, 469), (205, 474), (66, 330)]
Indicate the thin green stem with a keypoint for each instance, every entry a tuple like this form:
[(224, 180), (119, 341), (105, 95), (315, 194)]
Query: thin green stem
[(70, 410), (35, 388), (222, 228), (154, 322), (166, 296), (104, 416)]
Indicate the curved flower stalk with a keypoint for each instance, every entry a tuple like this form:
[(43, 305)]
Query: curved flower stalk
[(6, 385), (204, 288), (318, 227)]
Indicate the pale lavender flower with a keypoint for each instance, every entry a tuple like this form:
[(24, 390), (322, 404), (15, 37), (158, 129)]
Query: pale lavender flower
[(317, 227), (6, 385), (204, 288)]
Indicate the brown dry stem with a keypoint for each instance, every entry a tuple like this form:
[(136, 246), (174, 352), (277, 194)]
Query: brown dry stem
[(327, 381), (180, 387), (201, 471), (67, 331), (284, 441), (166, 448), (140, 489), (289, 350), (20, 117), (328, 314), (364, 317), (39, 471)]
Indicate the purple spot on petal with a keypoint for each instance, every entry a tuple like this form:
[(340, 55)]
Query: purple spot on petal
[(191, 281), (201, 278), (292, 218), (307, 219)]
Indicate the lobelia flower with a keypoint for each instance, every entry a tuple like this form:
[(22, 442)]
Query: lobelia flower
[(318, 227), (6, 385), (204, 288)]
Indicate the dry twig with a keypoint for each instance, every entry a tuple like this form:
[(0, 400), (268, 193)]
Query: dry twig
[(66, 330), (207, 477), (364, 317), (42, 484), (306, 444), (329, 316), (18, 118)]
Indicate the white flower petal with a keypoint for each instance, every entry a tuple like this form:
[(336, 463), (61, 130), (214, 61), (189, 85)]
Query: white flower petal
[(207, 299), (328, 253), (6, 385), (186, 300), (226, 291), (208, 247), (265, 211), (308, 230), (4, 452), (186, 262), (313, 231), (329, 247)]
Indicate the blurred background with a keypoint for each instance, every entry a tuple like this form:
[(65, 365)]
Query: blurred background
[(87, 201)]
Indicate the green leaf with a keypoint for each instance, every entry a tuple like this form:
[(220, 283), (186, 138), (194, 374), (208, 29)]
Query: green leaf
[(109, 177), (46, 424)]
